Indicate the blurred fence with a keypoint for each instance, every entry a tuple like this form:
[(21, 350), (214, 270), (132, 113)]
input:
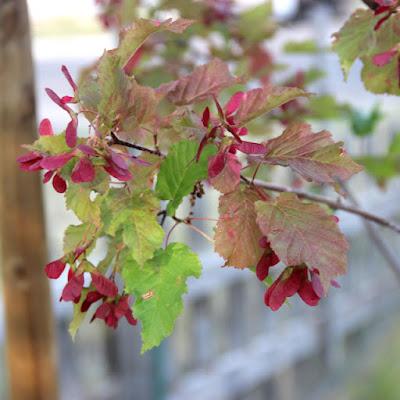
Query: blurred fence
[(228, 346)]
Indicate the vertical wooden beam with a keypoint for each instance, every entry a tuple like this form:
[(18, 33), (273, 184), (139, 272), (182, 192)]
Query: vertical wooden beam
[(30, 341)]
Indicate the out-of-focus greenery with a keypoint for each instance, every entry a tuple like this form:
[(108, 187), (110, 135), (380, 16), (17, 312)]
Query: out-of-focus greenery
[(381, 381), (385, 166)]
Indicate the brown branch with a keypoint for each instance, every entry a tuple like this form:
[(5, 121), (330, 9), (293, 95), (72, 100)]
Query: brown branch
[(334, 204), (377, 239), (371, 4), (118, 141)]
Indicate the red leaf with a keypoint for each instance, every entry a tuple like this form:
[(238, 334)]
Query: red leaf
[(287, 285), (384, 58), (206, 117), (66, 73), (102, 312), (47, 176), (317, 284), (91, 298), (72, 290), (263, 242), (71, 135), (224, 171), (85, 149), (54, 269), (251, 148), (308, 295), (130, 318), (30, 161), (55, 162), (59, 184), (121, 174), (234, 103), (45, 128), (53, 96), (118, 160), (104, 285), (83, 171), (133, 61)]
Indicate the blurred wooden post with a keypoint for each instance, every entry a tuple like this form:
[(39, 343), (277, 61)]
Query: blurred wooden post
[(30, 341)]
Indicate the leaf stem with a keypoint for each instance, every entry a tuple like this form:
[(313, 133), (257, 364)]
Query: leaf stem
[(334, 204), (116, 140)]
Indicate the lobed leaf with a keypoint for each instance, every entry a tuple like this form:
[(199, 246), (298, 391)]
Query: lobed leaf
[(204, 82), (260, 101), (141, 233), (315, 156), (237, 234), (355, 38), (158, 287), (179, 172), (132, 38), (302, 233), (77, 199)]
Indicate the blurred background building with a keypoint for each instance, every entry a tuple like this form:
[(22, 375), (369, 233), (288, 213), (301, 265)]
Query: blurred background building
[(227, 345)]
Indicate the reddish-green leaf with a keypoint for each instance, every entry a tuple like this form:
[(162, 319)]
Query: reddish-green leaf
[(302, 233), (224, 171), (315, 156), (260, 101), (237, 234), (205, 81), (132, 38)]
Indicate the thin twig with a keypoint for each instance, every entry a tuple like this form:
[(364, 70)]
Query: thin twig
[(377, 239), (334, 204), (200, 232), (188, 222), (118, 141)]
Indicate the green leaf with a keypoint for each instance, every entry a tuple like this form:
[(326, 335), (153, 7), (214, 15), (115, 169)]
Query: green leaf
[(355, 38), (365, 124), (237, 234), (141, 232), (179, 172), (263, 100), (79, 235), (89, 95), (158, 288), (315, 156), (302, 233), (259, 16), (114, 86), (77, 199), (78, 316), (384, 167), (53, 145), (325, 107)]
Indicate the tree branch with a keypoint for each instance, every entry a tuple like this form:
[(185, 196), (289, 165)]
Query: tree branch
[(118, 141), (334, 204), (377, 239)]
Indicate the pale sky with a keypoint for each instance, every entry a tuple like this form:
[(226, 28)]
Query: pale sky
[(45, 9)]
